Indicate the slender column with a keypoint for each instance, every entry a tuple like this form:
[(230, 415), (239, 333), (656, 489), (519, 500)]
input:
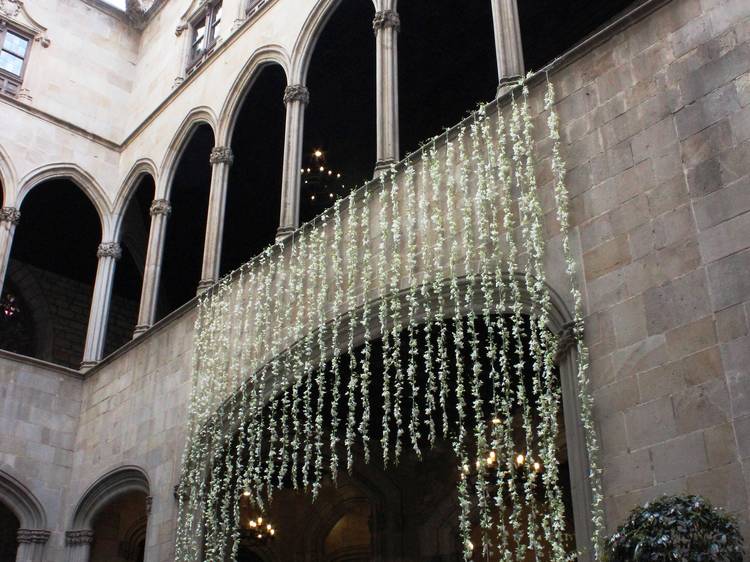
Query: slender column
[(31, 544), (507, 42), (108, 254), (221, 159), (160, 209), (386, 25), (79, 545), (296, 97), (9, 219)]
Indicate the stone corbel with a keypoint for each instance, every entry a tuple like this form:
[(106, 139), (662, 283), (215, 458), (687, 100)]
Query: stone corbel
[(566, 342), (10, 214), (109, 250), (179, 29), (297, 92), (385, 19), (221, 155), (160, 207)]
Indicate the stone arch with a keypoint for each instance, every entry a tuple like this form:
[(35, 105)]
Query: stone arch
[(267, 55), (22, 502), (304, 46), (202, 115), (115, 483), (144, 166), (7, 179), (80, 178)]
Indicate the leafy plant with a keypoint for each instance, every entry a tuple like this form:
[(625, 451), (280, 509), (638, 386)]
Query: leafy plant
[(676, 528)]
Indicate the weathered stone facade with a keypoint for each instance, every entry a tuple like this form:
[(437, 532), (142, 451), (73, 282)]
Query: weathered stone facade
[(656, 116)]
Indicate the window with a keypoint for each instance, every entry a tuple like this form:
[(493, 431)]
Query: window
[(14, 48), (205, 32), (252, 6)]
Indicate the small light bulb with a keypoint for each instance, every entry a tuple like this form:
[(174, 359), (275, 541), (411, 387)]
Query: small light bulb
[(268, 526), (329, 172), (273, 532), (466, 469), (496, 421), (260, 536), (318, 154), (253, 524), (246, 493), (338, 175), (260, 521), (322, 169), (520, 459), (537, 467), (308, 170), (492, 455), (331, 194), (312, 197), (470, 545)]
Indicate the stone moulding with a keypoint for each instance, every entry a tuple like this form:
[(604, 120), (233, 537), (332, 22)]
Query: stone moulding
[(296, 92), (82, 536), (38, 536)]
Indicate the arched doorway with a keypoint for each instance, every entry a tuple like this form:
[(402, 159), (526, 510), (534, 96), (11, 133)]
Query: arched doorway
[(186, 228), (254, 188), (339, 138), (9, 525), (120, 529), (126, 289), (55, 246)]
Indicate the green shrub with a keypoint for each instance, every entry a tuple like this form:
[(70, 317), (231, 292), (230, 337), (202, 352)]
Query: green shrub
[(676, 528)]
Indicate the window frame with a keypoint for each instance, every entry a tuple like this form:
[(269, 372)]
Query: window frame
[(5, 75), (208, 20)]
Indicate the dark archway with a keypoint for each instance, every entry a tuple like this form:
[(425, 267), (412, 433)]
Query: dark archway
[(186, 227), (9, 525), (340, 118), (254, 189), (126, 289), (447, 65), (120, 529), (550, 27), (56, 244)]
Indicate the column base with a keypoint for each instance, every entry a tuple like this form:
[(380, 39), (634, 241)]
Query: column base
[(382, 166), (283, 233), (506, 85), (140, 330), (204, 285), (86, 365)]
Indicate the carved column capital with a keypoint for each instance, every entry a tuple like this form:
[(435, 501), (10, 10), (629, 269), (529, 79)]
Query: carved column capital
[(84, 536), (566, 341), (160, 207), (10, 214), (221, 155), (385, 19), (109, 250), (38, 536), (297, 92)]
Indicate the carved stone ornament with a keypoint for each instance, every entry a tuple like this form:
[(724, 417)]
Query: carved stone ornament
[(10, 8), (566, 341), (39, 536), (221, 155), (384, 19), (179, 29), (109, 250), (136, 14), (149, 503), (160, 207), (85, 536), (297, 92), (10, 214)]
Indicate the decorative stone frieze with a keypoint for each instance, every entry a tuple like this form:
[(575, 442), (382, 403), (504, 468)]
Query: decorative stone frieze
[(297, 92), (221, 155), (160, 207), (385, 19), (109, 250), (83, 536), (566, 342), (38, 536), (10, 8), (10, 214)]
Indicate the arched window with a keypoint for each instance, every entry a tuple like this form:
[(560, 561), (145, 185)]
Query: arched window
[(186, 228), (254, 188), (55, 245), (339, 135)]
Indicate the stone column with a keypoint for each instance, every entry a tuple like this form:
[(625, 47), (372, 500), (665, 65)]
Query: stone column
[(79, 545), (108, 254), (386, 24), (296, 97), (31, 544), (507, 42), (221, 159), (160, 209), (9, 219)]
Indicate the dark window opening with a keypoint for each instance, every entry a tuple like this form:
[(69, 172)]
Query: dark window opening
[(254, 188), (186, 226), (340, 119)]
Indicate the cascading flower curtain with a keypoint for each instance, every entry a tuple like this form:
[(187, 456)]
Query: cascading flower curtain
[(436, 273)]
